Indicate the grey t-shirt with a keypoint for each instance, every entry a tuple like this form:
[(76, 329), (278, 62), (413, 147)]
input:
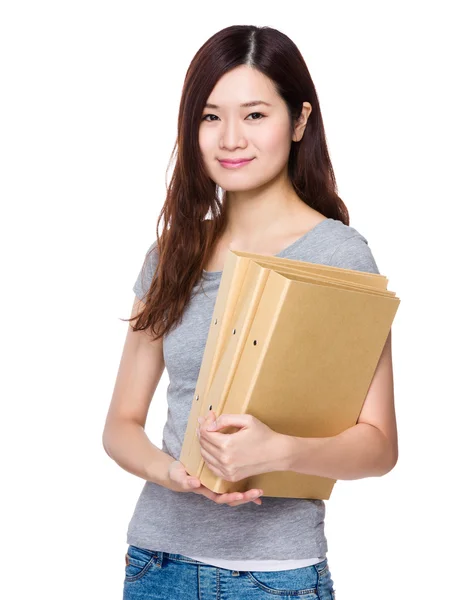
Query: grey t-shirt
[(191, 524)]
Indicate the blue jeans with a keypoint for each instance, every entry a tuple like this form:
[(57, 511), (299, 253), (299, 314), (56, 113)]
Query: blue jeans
[(155, 575)]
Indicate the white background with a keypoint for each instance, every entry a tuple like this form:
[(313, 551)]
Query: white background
[(89, 103)]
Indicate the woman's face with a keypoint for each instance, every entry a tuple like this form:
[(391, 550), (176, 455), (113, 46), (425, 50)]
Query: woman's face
[(260, 132)]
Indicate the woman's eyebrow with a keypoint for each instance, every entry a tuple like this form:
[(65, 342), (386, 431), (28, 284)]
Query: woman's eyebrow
[(246, 104)]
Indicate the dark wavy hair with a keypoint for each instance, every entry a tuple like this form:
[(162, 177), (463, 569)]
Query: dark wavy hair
[(188, 237)]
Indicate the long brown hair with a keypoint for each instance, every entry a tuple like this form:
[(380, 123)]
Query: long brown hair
[(188, 237)]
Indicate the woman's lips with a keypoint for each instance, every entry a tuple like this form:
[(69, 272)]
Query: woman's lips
[(234, 165)]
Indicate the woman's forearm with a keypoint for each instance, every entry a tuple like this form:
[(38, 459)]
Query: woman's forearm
[(129, 446), (358, 452)]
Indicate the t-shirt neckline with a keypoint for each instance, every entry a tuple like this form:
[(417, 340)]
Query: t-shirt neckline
[(216, 274)]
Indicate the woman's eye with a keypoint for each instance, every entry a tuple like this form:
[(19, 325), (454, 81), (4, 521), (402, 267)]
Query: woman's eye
[(256, 113), (204, 118)]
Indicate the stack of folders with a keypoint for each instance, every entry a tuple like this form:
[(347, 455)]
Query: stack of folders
[(295, 344)]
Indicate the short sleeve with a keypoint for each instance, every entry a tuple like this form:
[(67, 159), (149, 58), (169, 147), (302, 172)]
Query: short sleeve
[(147, 270), (354, 253)]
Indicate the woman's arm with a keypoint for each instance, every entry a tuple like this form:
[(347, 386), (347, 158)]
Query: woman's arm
[(367, 449), (359, 451), (124, 438)]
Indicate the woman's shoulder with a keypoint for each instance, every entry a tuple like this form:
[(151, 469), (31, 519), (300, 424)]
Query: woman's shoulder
[(147, 270), (339, 232), (349, 248)]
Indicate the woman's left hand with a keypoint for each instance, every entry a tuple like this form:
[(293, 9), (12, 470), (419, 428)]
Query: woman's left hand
[(254, 449)]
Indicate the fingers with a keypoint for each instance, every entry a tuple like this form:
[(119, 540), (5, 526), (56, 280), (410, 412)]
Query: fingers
[(250, 496), (232, 498), (256, 501)]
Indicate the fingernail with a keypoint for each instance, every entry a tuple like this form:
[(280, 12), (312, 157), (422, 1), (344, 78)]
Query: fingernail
[(200, 420)]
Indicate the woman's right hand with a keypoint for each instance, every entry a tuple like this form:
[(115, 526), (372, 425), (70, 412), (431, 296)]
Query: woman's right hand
[(181, 481)]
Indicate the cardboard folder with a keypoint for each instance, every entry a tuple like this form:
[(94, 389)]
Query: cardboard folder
[(269, 353)]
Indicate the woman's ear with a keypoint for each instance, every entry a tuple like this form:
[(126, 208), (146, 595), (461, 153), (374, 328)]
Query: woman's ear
[(301, 122)]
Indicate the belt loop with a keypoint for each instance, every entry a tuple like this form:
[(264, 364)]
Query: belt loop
[(159, 556)]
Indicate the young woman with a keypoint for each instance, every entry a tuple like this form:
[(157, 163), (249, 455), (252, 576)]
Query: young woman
[(252, 173)]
